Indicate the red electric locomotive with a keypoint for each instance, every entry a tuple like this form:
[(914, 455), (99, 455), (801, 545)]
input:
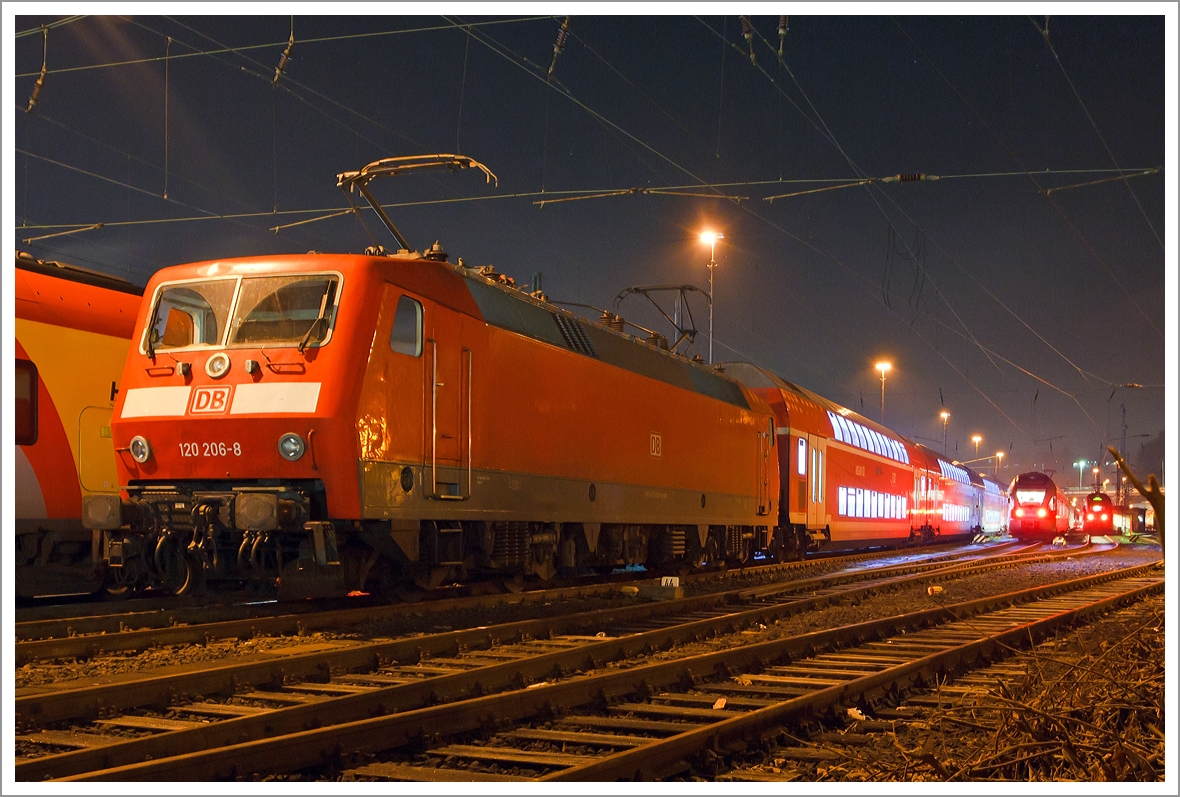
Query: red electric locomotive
[(1040, 510), (331, 423), (342, 422)]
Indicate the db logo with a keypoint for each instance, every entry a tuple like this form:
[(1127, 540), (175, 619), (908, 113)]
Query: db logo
[(210, 400), (657, 445)]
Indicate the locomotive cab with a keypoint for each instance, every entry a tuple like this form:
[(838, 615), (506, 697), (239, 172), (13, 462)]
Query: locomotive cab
[(225, 424)]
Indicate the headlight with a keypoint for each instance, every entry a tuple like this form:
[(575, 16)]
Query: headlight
[(1090, 516), (1019, 513), (140, 449), (218, 365), (291, 446), (1041, 513)]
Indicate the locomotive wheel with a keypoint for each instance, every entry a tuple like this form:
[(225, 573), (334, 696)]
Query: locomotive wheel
[(710, 555)]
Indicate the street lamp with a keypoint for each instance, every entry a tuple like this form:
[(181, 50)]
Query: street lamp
[(944, 415), (1095, 479), (976, 439), (883, 367), (1080, 464), (999, 458), (711, 239)]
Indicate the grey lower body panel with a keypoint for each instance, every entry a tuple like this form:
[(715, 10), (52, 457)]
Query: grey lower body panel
[(505, 496)]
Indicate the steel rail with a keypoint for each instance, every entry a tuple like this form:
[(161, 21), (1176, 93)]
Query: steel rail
[(106, 637), (56, 704), (308, 747)]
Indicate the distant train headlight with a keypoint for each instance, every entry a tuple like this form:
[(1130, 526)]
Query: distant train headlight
[(217, 366), (140, 449), (1090, 516), (1041, 512), (1104, 516), (1019, 513), (291, 446)]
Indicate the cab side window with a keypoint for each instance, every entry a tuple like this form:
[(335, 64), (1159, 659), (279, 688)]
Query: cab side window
[(406, 337), (25, 385)]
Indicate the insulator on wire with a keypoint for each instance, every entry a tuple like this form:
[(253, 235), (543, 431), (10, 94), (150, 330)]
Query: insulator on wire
[(783, 27), (284, 57), (559, 45), (748, 35), (40, 78), (909, 177)]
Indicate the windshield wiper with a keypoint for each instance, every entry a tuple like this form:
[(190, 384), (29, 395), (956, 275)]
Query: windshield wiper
[(321, 319), (151, 331)]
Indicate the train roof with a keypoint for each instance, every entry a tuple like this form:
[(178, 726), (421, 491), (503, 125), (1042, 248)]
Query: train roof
[(85, 276), (501, 304)]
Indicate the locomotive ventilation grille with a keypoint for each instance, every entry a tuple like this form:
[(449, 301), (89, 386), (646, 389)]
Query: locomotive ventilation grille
[(573, 335), (511, 546)]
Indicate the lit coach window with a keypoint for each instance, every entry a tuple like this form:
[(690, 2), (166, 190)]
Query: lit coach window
[(25, 385), (406, 337)]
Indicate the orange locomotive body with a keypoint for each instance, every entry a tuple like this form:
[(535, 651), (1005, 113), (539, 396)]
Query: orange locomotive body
[(337, 421), (72, 333)]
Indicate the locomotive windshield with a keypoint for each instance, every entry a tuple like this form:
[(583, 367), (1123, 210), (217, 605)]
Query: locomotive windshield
[(283, 309), (296, 309), (1030, 496)]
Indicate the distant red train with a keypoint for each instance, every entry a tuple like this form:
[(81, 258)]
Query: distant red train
[(1103, 516), (333, 422), (1040, 510)]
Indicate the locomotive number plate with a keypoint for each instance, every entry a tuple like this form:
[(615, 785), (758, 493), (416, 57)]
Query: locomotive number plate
[(210, 449)]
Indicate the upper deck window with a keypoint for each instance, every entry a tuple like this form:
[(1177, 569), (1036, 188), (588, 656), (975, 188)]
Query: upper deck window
[(294, 309)]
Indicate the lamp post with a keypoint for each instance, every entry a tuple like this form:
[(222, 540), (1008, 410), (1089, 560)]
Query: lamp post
[(711, 238), (999, 458), (1095, 479), (1080, 464), (883, 367), (976, 439), (945, 416)]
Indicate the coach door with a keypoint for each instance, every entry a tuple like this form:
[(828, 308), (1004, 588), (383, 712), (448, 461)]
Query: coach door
[(448, 392), (817, 514), (765, 442)]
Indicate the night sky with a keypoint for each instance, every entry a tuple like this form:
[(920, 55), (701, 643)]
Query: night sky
[(1021, 291)]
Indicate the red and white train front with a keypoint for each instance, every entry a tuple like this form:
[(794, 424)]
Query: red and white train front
[(230, 409), (1039, 508)]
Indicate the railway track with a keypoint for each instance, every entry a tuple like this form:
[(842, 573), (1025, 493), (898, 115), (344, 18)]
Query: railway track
[(86, 636), (353, 682), (1057, 711)]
